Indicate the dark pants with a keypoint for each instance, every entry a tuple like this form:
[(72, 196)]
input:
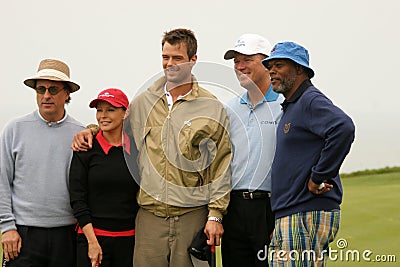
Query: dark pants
[(46, 247), (117, 251), (247, 229)]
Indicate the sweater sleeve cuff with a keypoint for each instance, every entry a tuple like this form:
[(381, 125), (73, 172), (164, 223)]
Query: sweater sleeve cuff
[(317, 180), (83, 220), (7, 226)]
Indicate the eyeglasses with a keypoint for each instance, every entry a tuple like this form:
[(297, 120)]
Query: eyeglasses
[(53, 90)]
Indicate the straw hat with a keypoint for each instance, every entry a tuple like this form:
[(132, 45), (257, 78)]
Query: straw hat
[(53, 70)]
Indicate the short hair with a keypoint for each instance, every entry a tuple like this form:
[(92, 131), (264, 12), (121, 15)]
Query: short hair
[(181, 36)]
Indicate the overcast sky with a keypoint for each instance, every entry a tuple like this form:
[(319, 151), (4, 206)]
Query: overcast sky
[(353, 45)]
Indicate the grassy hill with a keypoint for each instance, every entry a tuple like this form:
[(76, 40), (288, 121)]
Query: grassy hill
[(370, 220)]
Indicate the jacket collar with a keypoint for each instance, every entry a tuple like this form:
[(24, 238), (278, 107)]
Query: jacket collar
[(158, 88)]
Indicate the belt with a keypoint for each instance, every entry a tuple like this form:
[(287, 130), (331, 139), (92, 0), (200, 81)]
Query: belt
[(251, 195)]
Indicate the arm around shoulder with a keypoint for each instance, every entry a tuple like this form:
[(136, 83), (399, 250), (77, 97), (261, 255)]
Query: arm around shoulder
[(84, 139)]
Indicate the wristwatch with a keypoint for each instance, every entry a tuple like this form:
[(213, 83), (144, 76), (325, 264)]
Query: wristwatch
[(215, 219)]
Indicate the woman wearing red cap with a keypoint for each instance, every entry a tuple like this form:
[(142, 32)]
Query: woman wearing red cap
[(103, 190)]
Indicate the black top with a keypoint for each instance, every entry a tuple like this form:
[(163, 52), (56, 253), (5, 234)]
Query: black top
[(102, 189)]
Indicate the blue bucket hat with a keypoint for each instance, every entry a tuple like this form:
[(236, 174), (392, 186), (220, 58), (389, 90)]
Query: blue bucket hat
[(293, 51)]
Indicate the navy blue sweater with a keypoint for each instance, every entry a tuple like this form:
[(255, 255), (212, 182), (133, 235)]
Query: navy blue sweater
[(313, 138)]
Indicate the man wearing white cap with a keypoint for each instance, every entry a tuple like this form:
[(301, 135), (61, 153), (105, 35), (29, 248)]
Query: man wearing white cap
[(36, 219), (253, 116)]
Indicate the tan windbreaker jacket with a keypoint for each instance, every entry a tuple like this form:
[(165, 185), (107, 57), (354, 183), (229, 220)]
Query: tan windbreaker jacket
[(184, 154)]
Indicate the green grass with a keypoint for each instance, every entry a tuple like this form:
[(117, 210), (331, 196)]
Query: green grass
[(370, 218)]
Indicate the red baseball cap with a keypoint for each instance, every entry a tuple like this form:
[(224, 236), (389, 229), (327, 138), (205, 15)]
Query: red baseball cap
[(114, 96)]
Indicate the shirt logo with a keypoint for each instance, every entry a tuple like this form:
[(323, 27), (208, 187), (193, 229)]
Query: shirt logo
[(240, 43), (268, 122), (287, 128)]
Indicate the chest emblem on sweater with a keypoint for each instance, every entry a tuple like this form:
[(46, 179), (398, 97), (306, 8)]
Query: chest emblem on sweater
[(286, 128)]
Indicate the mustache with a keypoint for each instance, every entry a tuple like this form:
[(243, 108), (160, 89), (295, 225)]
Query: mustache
[(173, 68)]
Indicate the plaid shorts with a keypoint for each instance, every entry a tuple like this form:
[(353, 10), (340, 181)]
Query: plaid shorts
[(302, 239)]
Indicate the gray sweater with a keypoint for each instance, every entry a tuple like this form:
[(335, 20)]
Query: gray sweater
[(34, 163)]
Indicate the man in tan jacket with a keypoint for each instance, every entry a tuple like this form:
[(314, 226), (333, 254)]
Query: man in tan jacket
[(180, 130)]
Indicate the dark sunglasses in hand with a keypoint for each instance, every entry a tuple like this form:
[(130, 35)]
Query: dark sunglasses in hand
[(53, 90)]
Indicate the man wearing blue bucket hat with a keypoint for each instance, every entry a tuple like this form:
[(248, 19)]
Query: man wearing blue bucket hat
[(313, 138)]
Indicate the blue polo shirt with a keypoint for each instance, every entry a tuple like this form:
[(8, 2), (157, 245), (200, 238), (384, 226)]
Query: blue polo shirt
[(252, 133)]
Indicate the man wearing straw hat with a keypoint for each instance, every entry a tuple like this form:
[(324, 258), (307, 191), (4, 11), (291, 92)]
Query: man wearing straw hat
[(36, 219)]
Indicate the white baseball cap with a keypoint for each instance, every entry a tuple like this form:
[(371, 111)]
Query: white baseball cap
[(249, 44)]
